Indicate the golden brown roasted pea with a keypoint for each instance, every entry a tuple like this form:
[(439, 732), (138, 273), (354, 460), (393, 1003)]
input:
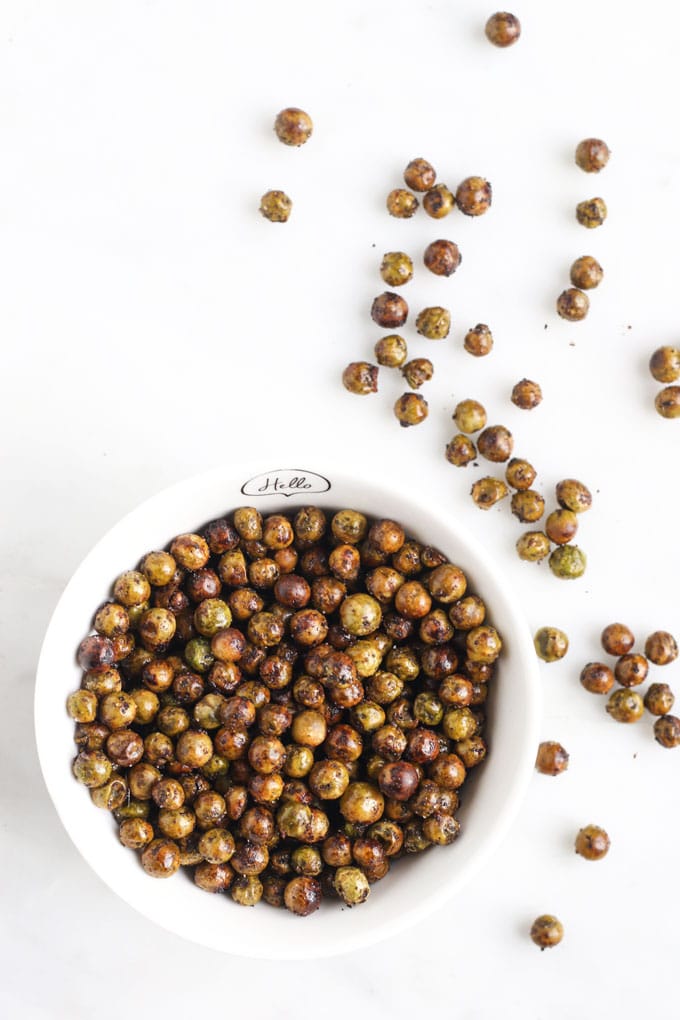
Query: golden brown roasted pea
[(447, 583), (667, 402), (216, 846), (310, 525), (520, 474), (265, 630), (263, 573), (667, 731), (503, 29), (124, 747), (527, 506), (418, 371), (546, 931), (455, 691), (401, 203), (267, 755), (661, 648), (362, 802), (308, 627), (551, 758), (592, 155), (396, 268), (249, 859), (631, 670), (597, 678), (442, 257), (158, 568), (277, 532), (467, 613), (389, 310), (625, 706), (194, 748), (293, 126), (389, 742), (434, 322), (551, 644), (286, 559), (592, 843), (246, 890), (441, 828), (573, 495), (495, 443), (111, 620), (664, 365), (473, 196), (411, 409), (478, 341), (210, 809), (387, 536), (351, 885), (276, 206), (419, 175), (526, 394), (231, 744), (328, 779), (413, 600), (232, 571), (533, 546), (131, 589), (135, 833), (435, 628), (483, 644), (344, 562), (561, 526), (168, 793), (142, 778), (202, 584), (92, 768), (488, 491), (573, 304), (408, 559), (591, 213), (383, 583), (460, 451), (190, 551), (160, 858), (470, 415), (586, 273), (659, 699), (117, 710), (391, 351), (439, 201), (349, 526), (213, 878), (123, 645), (472, 750), (360, 614), (360, 377), (82, 706), (90, 736), (384, 687)]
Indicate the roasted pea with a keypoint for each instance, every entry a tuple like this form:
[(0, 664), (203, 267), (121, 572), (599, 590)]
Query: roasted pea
[(625, 706), (495, 443), (442, 257), (220, 535), (455, 691), (460, 451), (586, 273), (487, 491), (434, 322), (419, 175), (659, 699), (546, 931), (597, 678), (551, 758), (246, 890), (401, 203), (92, 768), (573, 304), (135, 833), (592, 155), (360, 377), (667, 731), (591, 213), (82, 706), (160, 858), (439, 201), (362, 802), (527, 506), (467, 613), (592, 842), (664, 365), (667, 402), (411, 409), (551, 644), (389, 310), (520, 474), (412, 600), (351, 885), (661, 648), (617, 639), (111, 620), (567, 562), (293, 126), (631, 670), (478, 341), (417, 372), (473, 196), (561, 526), (276, 206), (503, 29), (391, 351), (526, 394), (396, 268)]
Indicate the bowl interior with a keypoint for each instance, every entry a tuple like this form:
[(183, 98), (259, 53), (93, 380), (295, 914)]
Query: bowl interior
[(416, 885)]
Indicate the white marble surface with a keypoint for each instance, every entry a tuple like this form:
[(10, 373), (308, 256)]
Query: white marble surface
[(154, 325)]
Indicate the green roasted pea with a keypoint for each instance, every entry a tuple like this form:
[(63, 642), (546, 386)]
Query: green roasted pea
[(486, 492), (396, 268), (198, 654), (625, 706), (351, 885), (551, 644), (92, 768), (459, 723), (391, 351), (469, 416), (111, 795), (567, 562), (533, 546), (434, 323), (212, 616), (428, 709), (82, 706), (247, 890)]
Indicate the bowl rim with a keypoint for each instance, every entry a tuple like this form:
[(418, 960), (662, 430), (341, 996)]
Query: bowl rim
[(516, 783)]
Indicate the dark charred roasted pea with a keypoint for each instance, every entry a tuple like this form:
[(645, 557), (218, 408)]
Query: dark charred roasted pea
[(486, 492), (551, 644), (293, 126), (213, 878), (370, 856), (625, 706), (246, 890), (308, 692), (419, 175), (527, 506), (592, 842), (226, 676), (94, 652), (415, 840), (391, 351), (434, 322), (396, 268), (551, 758), (389, 310), (442, 257), (308, 627), (276, 673), (591, 213), (573, 304), (91, 736), (276, 206), (661, 648), (351, 885), (185, 629), (360, 377), (526, 394), (125, 747), (439, 661), (135, 833), (546, 931), (417, 372), (231, 743), (123, 645), (631, 670), (220, 535), (336, 850), (460, 451), (257, 826), (277, 532), (262, 573), (561, 526), (249, 858), (667, 402), (398, 780), (202, 584), (520, 474), (480, 692), (617, 639), (439, 201), (160, 858), (667, 731), (567, 562), (389, 742), (503, 29), (495, 443), (659, 699), (664, 365), (482, 672), (472, 750), (597, 678), (435, 628), (279, 862), (422, 745), (592, 155), (401, 203), (473, 196), (586, 273), (411, 409)]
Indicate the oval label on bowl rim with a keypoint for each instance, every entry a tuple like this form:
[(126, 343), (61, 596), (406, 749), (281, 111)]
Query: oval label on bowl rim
[(285, 482)]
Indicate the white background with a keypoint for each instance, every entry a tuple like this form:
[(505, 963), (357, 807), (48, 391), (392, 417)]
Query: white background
[(154, 325)]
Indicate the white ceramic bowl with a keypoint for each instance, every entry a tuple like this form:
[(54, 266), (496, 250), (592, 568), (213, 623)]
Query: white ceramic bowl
[(415, 886)]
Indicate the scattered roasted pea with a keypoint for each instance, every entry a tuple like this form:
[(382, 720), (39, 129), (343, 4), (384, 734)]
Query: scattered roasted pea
[(592, 842), (597, 678), (592, 155), (469, 416), (434, 323), (401, 203), (439, 201), (667, 731), (625, 706), (360, 377), (488, 491), (586, 273), (442, 257), (533, 546), (293, 126), (495, 443), (526, 394), (419, 175), (591, 213), (659, 699), (276, 206), (460, 450), (551, 644), (561, 526), (661, 648), (631, 670), (473, 196), (567, 562), (667, 402), (551, 758), (527, 506), (417, 372), (617, 639), (391, 351), (520, 474), (396, 268), (389, 310), (503, 29), (573, 304), (478, 341), (411, 409), (573, 495), (546, 931), (664, 364)]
